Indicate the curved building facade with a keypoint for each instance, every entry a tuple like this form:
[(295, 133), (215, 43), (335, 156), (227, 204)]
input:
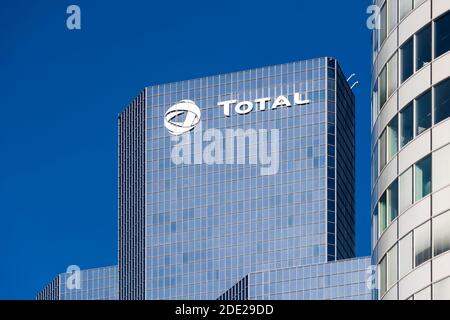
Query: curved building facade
[(411, 150)]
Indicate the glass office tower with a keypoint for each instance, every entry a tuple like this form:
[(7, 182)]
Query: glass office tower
[(411, 149), (194, 230), (95, 284), (338, 280)]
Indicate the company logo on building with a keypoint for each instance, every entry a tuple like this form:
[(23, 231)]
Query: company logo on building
[(192, 117), (245, 107)]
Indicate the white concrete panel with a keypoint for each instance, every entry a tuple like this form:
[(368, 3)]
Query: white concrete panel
[(415, 281), (414, 216), (391, 294), (441, 267), (414, 86), (441, 201), (414, 151), (439, 7), (441, 168), (425, 294), (441, 134), (441, 68), (415, 21)]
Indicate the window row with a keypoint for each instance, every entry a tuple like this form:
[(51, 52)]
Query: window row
[(391, 12), (413, 55), (430, 239), (414, 119), (413, 185), (441, 291)]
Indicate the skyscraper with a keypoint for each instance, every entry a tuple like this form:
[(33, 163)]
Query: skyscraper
[(411, 149), (236, 186), (196, 215)]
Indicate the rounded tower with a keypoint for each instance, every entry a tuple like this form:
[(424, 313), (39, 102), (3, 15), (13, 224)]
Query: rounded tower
[(411, 149)]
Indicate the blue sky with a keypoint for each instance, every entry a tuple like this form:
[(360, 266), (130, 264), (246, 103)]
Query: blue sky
[(61, 91)]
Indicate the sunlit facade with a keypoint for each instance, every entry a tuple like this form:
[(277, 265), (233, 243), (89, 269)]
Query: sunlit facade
[(202, 227), (411, 150), (338, 280)]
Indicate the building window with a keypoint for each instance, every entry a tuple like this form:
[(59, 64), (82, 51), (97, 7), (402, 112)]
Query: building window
[(392, 75), (388, 206), (375, 165), (422, 178), (406, 189), (442, 100), (405, 255), (441, 290), (375, 42), (422, 244), (382, 214), (383, 149), (383, 276), (423, 47), (442, 35), (423, 112), (392, 267), (383, 87), (441, 234), (405, 7), (392, 14), (392, 138), (407, 60), (383, 23), (392, 201), (375, 225), (406, 125), (375, 104)]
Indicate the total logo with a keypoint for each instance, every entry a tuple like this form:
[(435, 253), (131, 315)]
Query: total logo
[(193, 115), (192, 118), (246, 107)]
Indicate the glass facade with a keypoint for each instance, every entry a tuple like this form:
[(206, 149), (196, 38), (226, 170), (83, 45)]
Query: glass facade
[(95, 284), (339, 280), (131, 204), (209, 225), (200, 230)]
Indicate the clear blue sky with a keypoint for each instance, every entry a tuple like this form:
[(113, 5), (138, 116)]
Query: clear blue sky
[(61, 90)]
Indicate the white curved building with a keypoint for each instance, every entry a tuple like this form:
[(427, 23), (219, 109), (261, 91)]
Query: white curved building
[(411, 150)]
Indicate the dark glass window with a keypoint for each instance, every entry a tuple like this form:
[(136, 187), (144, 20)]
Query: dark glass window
[(423, 178), (383, 87), (392, 207), (423, 47), (442, 101), (423, 112), (383, 23), (406, 125), (441, 236), (383, 149), (392, 138), (382, 214), (422, 244), (407, 60), (442, 41)]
